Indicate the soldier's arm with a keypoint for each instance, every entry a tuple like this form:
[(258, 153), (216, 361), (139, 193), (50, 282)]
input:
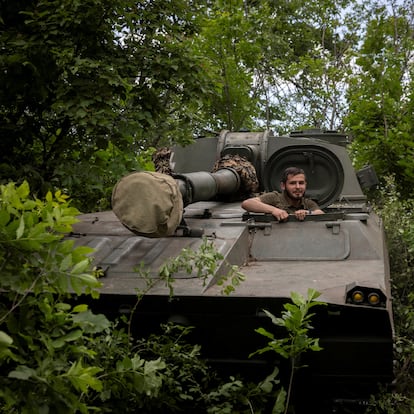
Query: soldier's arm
[(317, 211), (255, 205)]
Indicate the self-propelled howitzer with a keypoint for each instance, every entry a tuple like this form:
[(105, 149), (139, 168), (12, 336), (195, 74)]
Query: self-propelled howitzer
[(196, 194)]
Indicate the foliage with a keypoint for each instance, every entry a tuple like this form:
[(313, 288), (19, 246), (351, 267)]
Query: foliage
[(90, 181), (85, 81), (48, 357), (381, 96), (390, 403), (56, 355), (277, 64), (201, 264), (380, 120), (87, 87), (31, 233), (187, 375), (204, 262), (296, 319), (228, 40), (190, 385), (307, 64), (397, 216)]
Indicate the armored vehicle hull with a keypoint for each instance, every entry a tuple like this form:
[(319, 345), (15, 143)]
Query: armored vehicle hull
[(341, 254)]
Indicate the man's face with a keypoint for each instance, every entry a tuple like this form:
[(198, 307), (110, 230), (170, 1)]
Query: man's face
[(295, 186)]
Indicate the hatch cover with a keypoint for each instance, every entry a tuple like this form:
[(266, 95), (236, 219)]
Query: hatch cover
[(300, 242), (324, 172)]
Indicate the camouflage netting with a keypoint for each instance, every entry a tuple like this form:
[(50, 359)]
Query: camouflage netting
[(148, 203), (249, 184), (161, 161)]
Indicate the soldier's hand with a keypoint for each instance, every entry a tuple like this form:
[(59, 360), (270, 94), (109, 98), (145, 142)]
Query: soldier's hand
[(279, 214), (301, 214)]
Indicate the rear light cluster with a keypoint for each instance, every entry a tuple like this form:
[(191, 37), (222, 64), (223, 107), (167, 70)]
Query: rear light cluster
[(361, 295)]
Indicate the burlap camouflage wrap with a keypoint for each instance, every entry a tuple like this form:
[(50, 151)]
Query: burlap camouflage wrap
[(148, 203)]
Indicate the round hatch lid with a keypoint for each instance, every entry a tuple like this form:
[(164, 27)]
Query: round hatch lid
[(324, 172)]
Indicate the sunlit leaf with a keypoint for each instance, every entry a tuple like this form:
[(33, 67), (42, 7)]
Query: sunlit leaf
[(20, 229), (22, 372), (5, 340)]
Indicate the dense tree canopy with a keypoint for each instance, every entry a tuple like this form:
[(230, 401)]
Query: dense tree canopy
[(275, 64), (380, 95), (79, 78), (87, 88)]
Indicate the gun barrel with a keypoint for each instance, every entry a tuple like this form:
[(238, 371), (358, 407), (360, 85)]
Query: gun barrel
[(203, 186)]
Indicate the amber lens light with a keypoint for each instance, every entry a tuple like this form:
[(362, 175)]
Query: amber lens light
[(373, 299), (357, 296)]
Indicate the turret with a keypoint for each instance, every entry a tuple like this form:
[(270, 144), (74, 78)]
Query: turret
[(233, 166)]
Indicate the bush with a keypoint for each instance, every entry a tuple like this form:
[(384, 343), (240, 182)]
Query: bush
[(48, 355), (396, 213), (60, 357)]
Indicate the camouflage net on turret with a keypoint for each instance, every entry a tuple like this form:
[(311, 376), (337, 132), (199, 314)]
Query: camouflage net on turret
[(249, 184), (161, 160)]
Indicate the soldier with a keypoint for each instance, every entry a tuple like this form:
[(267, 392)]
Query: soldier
[(291, 200)]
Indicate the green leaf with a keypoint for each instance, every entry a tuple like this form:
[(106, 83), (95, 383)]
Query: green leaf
[(79, 251), (69, 337), (153, 366), (90, 322), (5, 340), (23, 190), (264, 332), (279, 406), (22, 372), (80, 267), (313, 294), (87, 279), (297, 298), (274, 319), (84, 377), (4, 218), (20, 229), (80, 308), (61, 306), (66, 263), (267, 384)]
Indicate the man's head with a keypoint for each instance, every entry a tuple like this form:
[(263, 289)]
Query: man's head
[(294, 183)]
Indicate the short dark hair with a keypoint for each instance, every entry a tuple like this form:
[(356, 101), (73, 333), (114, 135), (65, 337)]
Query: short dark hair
[(291, 171)]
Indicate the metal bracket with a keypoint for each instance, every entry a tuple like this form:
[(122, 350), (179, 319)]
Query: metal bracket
[(267, 227), (335, 226)]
